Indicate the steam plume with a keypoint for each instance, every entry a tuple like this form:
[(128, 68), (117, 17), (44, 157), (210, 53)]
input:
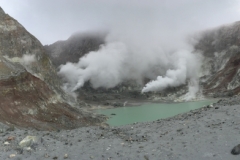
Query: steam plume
[(138, 48), (119, 61)]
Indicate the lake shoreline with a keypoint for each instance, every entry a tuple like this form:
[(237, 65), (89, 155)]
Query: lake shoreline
[(148, 112), (139, 102), (206, 133)]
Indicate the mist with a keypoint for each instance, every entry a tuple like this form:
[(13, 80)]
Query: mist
[(147, 41), (59, 19), (141, 45)]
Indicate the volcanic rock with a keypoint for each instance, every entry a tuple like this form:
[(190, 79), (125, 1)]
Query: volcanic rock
[(236, 150), (30, 94)]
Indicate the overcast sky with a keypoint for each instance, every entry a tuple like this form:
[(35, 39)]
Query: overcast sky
[(52, 20)]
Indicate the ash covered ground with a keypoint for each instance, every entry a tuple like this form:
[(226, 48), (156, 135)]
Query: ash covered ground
[(206, 133)]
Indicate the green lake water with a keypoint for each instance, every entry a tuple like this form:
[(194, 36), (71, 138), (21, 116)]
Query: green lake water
[(149, 111)]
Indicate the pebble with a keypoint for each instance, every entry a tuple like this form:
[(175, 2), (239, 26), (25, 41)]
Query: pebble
[(65, 156), (28, 141), (10, 138), (46, 155), (236, 150), (146, 157), (12, 155), (6, 143)]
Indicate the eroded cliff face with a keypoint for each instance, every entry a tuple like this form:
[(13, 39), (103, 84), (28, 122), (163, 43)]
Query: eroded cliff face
[(221, 65), (30, 93)]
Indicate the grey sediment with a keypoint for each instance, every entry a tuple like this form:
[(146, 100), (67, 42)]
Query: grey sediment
[(206, 133)]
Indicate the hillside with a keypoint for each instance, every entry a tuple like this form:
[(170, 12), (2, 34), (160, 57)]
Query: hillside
[(31, 95), (220, 69)]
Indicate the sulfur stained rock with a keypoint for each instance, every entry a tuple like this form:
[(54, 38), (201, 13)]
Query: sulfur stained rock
[(29, 141)]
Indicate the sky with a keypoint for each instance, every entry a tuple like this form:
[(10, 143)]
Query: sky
[(147, 39), (53, 20)]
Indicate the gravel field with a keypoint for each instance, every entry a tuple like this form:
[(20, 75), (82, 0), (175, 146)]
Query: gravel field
[(207, 133)]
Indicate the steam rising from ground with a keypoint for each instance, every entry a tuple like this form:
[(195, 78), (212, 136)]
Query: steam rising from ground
[(140, 46), (184, 68), (146, 40), (122, 60)]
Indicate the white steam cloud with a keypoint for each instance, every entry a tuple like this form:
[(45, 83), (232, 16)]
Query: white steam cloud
[(123, 60), (146, 40), (142, 44), (184, 68)]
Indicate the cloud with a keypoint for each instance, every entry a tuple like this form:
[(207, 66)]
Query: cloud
[(144, 42), (184, 63), (55, 20), (135, 55), (147, 39)]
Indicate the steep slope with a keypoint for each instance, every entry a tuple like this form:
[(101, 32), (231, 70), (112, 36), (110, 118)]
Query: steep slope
[(26, 101), (221, 67), (30, 94), (16, 41)]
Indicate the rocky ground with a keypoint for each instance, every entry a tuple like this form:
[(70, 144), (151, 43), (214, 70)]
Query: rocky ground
[(207, 133)]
